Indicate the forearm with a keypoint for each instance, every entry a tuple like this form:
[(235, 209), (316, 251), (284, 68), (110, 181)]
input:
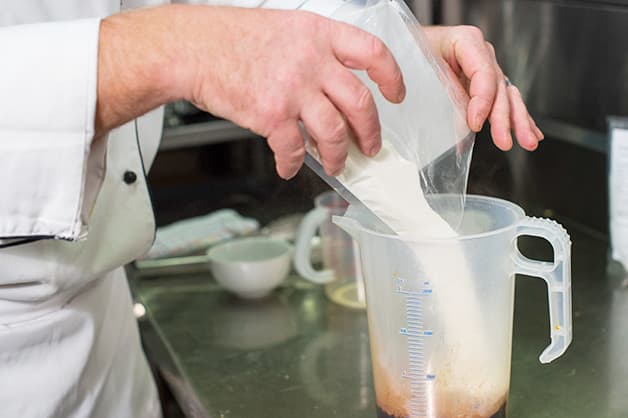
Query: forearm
[(140, 66)]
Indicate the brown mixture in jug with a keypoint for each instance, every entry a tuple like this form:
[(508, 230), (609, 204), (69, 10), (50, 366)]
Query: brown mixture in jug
[(392, 401)]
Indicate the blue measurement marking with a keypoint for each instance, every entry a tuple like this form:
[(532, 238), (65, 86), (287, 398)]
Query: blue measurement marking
[(415, 332)]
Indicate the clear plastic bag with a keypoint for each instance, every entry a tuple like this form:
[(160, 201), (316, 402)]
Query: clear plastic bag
[(429, 127)]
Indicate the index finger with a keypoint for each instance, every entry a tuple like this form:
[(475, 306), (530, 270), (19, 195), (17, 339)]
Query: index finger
[(359, 50), (476, 62)]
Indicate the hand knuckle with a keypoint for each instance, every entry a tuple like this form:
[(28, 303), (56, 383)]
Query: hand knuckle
[(336, 133), (474, 32), (364, 99), (277, 110), (515, 91), (307, 20), (378, 48), (297, 154), (490, 47), (334, 161), (492, 71)]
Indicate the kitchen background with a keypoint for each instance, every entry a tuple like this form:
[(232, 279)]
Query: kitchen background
[(569, 58)]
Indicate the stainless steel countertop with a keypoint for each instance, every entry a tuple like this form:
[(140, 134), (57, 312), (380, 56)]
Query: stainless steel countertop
[(297, 354)]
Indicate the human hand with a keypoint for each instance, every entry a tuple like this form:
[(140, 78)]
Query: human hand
[(266, 70), (473, 60)]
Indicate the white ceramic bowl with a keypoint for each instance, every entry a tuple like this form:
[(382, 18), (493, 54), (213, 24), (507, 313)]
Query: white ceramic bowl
[(250, 267)]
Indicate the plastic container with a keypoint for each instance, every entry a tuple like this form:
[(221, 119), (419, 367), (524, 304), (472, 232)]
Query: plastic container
[(440, 311), (341, 273)]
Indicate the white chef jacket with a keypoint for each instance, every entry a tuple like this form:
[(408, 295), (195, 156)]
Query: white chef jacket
[(69, 344)]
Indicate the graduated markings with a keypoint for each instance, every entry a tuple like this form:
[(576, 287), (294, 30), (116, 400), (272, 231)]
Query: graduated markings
[(415, 333)]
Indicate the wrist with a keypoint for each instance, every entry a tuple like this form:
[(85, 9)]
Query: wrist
[(177, 67), (138, 66)]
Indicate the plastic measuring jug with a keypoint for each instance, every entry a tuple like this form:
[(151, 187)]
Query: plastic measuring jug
[(341, 273), (440, 311)]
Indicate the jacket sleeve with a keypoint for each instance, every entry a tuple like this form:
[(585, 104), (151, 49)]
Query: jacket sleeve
[(50, 167)]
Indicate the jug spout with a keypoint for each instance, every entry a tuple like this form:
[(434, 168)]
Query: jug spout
[(349, 225)]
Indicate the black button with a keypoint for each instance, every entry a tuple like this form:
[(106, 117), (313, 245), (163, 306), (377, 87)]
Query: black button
[(129, 177)]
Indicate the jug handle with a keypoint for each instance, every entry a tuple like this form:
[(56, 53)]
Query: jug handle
[(303, 247), (557, 275)]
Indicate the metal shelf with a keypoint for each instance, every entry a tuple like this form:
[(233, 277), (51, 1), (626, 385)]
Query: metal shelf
[(592, 140), (212, 132)]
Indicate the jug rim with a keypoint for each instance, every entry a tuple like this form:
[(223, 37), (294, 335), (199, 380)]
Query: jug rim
[(515, 209)]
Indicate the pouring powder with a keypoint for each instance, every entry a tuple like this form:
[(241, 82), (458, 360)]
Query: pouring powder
[(390, 187)]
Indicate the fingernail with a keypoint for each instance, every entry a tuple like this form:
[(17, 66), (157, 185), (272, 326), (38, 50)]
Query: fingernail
[(508, 141), (401, 95), (375, 150), (478, 122), (338, 172), (285, 174)]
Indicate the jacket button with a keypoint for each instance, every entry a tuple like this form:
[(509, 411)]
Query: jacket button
[(129, 177)]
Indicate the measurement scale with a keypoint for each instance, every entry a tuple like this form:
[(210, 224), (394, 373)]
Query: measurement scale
[(415, 334)]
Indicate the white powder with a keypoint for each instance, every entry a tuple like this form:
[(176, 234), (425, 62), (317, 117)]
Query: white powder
[(389, 186)]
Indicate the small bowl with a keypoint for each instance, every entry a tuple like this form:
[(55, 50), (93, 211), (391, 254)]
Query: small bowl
[(250, 267)]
